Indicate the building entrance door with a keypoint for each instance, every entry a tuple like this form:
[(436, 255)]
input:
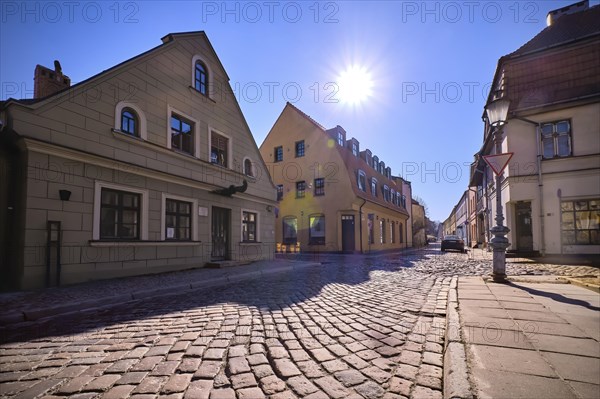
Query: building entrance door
[(221, 226), (348, 233), (524, 229)]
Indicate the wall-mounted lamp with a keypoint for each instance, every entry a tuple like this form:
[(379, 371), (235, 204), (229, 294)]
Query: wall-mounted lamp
[(64, 195), (269, 208)]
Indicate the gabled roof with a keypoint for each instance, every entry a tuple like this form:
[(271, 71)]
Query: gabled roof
[(552, 68), (298, 110), (567, 28), (165, 41)]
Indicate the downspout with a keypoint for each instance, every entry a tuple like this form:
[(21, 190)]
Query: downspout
[(406, 232), (538, 139), (538, 146), (360, 224)]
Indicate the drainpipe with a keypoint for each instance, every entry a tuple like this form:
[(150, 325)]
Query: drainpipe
[(538, 138), (360, 224)]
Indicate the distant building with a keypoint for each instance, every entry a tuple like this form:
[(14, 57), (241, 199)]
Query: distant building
[(406, 201), (551, 189), (146, 167), (332, 196), (418, 224)]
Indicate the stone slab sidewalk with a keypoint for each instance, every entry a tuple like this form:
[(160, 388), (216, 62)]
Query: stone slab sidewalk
[(522, 340), (18, 307)]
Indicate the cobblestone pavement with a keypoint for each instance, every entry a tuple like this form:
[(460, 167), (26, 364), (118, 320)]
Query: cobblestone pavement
[(362, 327)]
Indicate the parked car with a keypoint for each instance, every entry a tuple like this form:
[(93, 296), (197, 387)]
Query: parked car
[(453, 242)]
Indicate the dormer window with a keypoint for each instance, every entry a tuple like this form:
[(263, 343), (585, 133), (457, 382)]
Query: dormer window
[(362, 181), (374, 187), (129, 122), (201, 78), (340, 138), (355, 148), (386, 193)]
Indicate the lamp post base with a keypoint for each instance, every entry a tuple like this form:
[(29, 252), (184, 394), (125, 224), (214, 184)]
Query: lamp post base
[(499, 244)]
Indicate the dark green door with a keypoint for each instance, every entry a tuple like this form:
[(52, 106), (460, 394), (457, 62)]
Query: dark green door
[(221, 226)]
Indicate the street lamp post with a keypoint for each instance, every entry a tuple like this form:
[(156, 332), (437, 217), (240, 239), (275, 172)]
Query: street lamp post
[(497, 112)]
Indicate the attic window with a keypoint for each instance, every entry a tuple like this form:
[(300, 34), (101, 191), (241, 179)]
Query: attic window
[(201, 77), (129, 122)]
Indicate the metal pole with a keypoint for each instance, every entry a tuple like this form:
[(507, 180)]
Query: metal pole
[(499, 243)]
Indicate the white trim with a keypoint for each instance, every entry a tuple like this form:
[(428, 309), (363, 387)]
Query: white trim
[(229, 146), (211, 87), (142, 129), (242, 225), (98, 186), (171, 110), (163, 211)]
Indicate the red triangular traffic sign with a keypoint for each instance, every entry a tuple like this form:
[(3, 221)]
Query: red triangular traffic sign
[(498, 162)]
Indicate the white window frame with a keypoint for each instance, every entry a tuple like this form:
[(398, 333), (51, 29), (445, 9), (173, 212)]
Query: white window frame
[(163, 215), (257, 226), (142, 129), (172, 110), (211, 87), (229, 145), (98, 186), (374, 189), (361, 173)]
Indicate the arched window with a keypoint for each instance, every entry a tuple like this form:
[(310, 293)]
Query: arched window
[(201, 78), (129, 122), (248, 168)]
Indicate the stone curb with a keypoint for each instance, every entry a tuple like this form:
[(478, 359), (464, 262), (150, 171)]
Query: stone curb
[(105, 302), (456, 375), (575, 281)]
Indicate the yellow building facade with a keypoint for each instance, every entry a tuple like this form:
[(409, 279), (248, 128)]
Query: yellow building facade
[(332, 196)]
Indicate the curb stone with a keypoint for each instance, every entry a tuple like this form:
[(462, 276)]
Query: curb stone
[(34, 314), (456, 378)]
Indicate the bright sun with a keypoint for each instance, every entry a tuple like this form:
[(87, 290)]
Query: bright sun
[(355, 85)]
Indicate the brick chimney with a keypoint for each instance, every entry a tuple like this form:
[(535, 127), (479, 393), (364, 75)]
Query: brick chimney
[(570, 9), (47, 81)]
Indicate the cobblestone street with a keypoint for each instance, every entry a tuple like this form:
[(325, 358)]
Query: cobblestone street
[(364, 327)]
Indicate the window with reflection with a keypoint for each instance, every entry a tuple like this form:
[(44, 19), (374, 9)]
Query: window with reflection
[(182, 131), (129, 122), (580, 222), (178, 220), (119, 215), (290, 230), (219, 149), (556, 139), (201, 78), (316, 230)]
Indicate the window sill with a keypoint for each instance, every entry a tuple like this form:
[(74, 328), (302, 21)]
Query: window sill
[(250, 242), (204, 96), (103, 243), (122, 134)]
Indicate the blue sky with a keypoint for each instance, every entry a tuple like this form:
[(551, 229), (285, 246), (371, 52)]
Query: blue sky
[(431, 64)]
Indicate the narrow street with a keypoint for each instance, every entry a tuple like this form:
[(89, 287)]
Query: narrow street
[(355, 326)]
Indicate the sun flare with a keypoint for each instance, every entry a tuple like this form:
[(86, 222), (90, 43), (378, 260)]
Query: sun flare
[(355, 85)]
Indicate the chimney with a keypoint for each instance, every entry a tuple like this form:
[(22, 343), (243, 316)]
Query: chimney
[(570, 9), (47, 81)]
